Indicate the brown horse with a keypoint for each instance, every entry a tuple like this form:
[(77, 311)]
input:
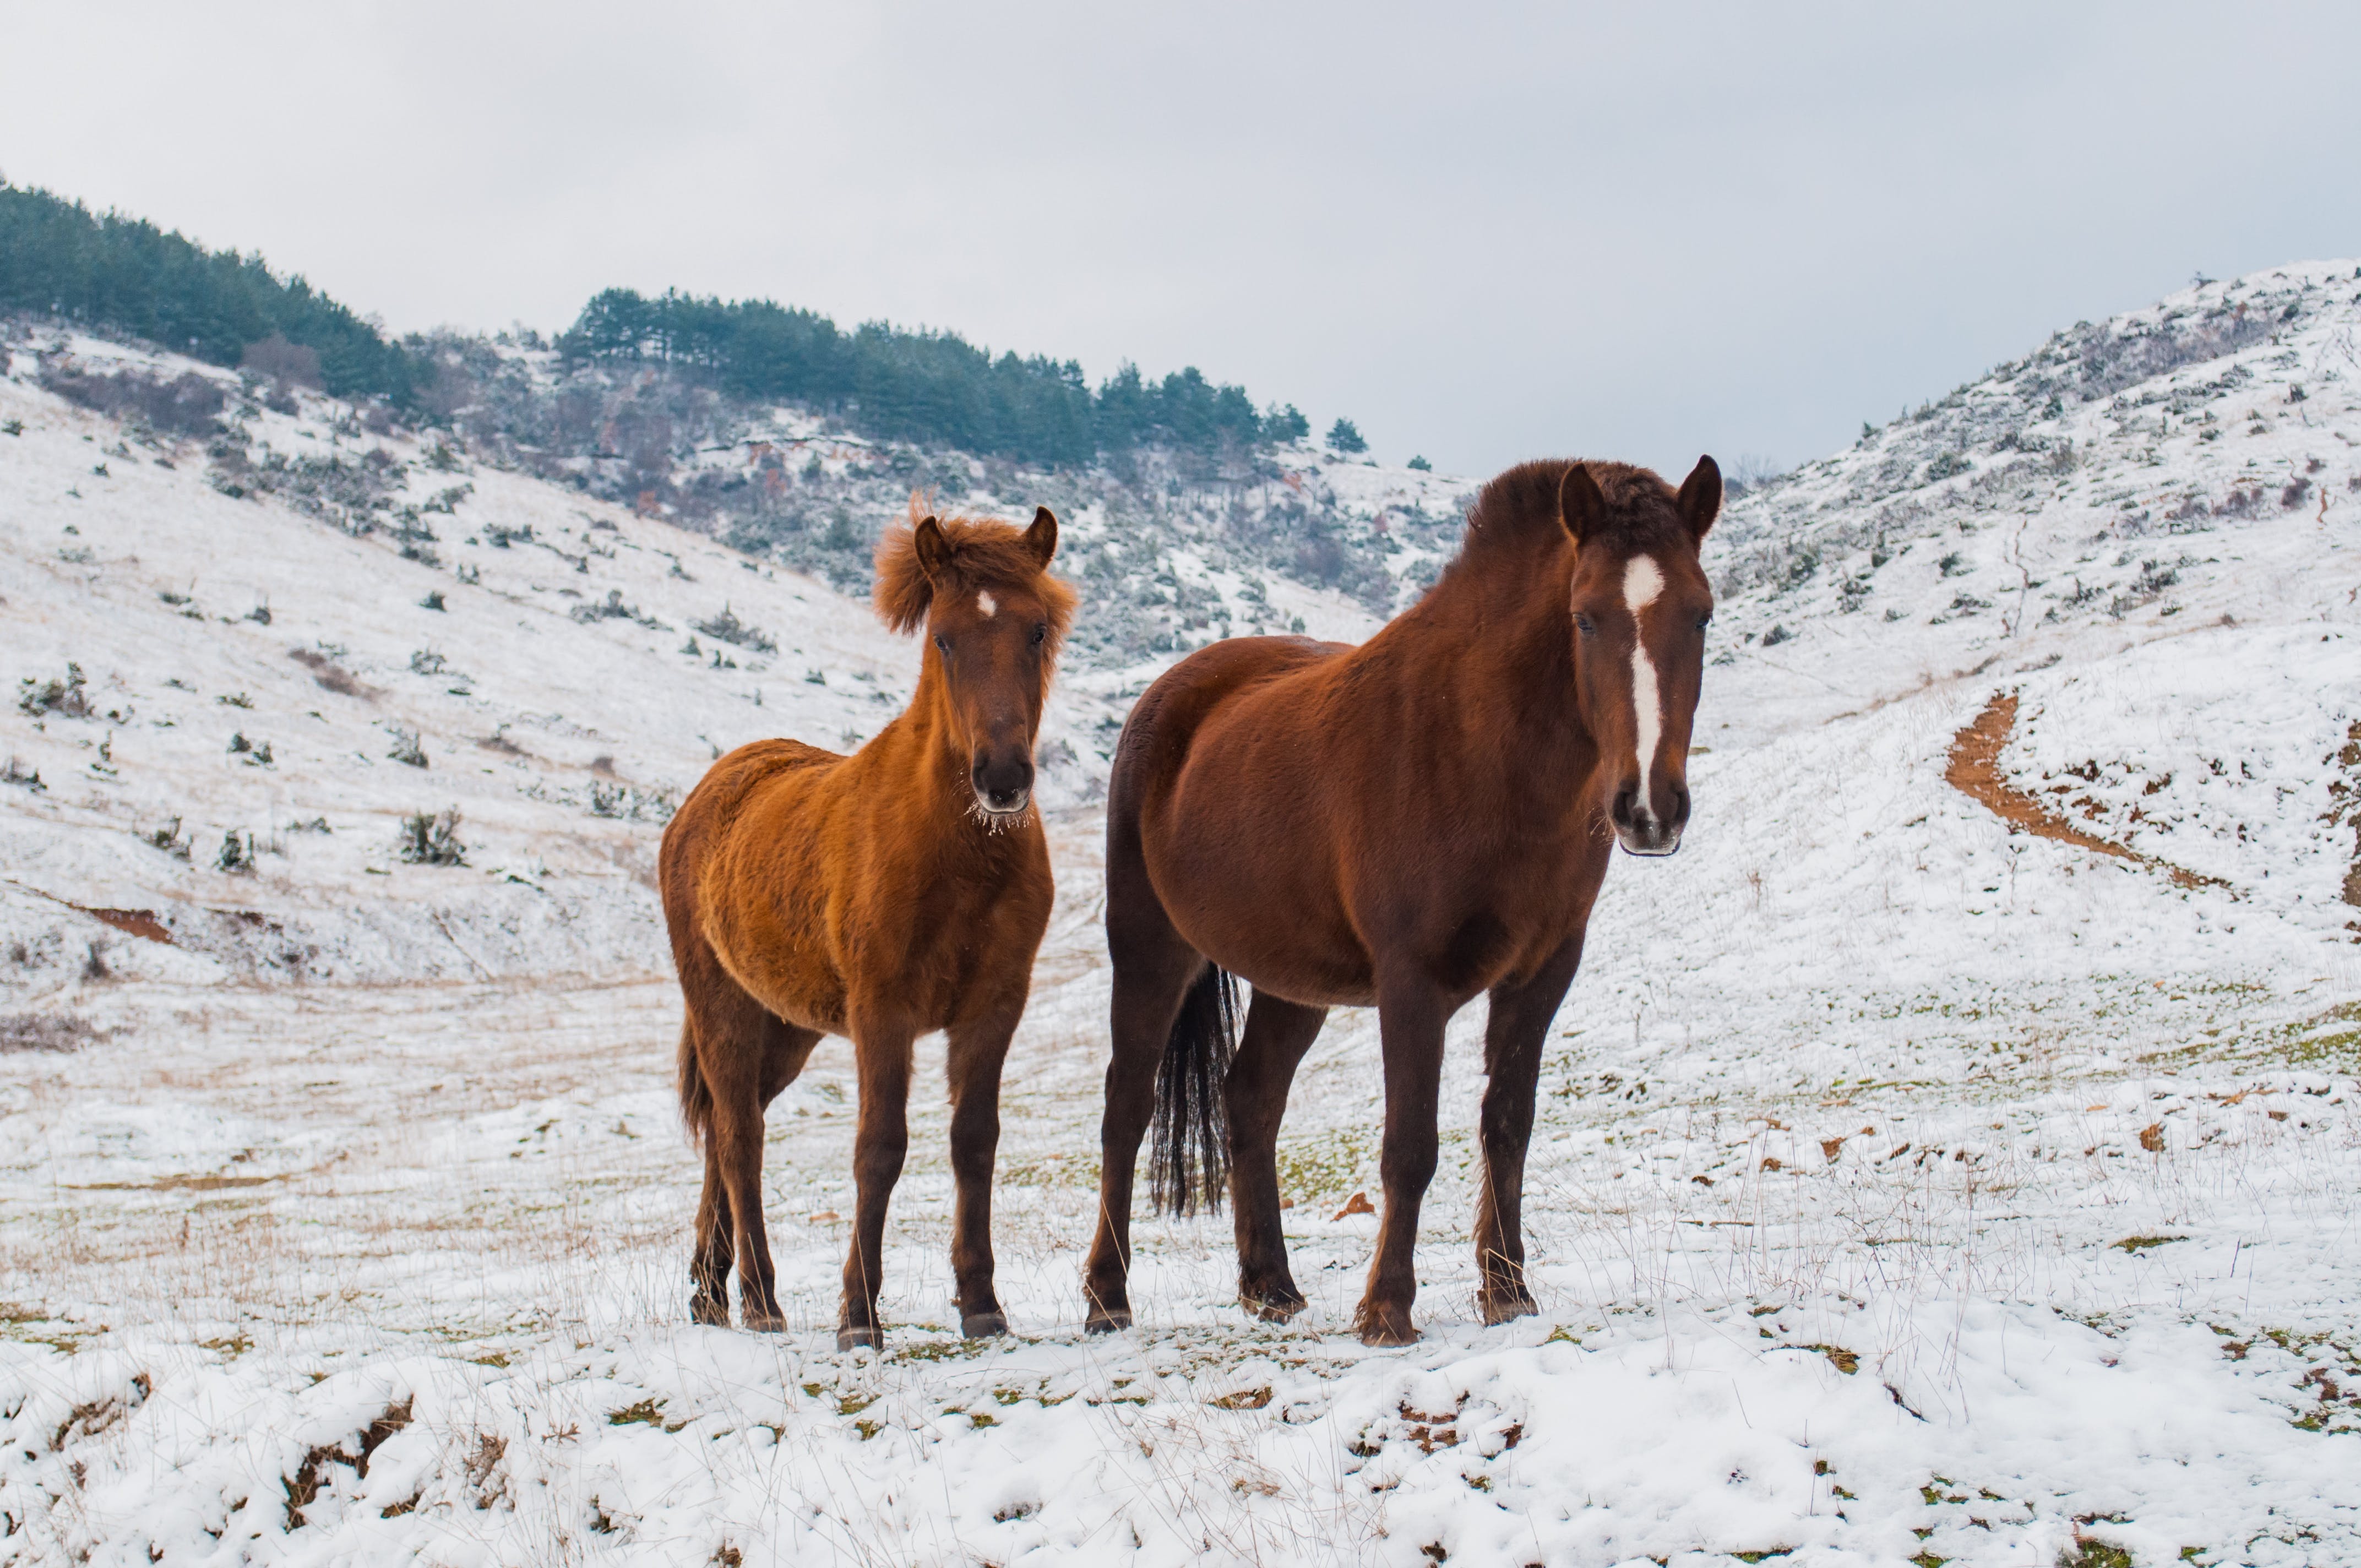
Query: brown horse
[(1407, 823), (878, 896)]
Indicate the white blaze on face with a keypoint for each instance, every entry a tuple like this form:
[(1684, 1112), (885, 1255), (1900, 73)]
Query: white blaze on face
[(986, 603), (1643, 581)]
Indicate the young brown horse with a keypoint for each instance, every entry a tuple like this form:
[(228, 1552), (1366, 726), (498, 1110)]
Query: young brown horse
[(1407, 823), (902, 889)]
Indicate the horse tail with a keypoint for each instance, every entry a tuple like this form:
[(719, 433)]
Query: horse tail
[(696, 1094), (1190, 1161)]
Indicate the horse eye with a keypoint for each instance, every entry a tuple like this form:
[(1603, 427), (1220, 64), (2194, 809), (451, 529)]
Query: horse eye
[(944, 643), (1041, 632), (1704, 621), (1584, 624)]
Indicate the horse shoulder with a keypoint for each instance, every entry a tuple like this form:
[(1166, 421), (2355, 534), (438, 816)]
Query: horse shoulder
[(762, 876)]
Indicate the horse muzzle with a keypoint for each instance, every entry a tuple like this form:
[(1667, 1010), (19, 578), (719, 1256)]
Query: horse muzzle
[(1000, 808), (1643, 831), (1003, 784)]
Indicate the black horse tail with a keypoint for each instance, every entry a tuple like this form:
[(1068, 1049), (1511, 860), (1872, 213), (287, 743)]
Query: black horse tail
[(1190, 1161)]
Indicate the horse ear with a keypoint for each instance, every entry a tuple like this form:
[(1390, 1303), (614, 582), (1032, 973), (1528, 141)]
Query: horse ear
[(1580, 506), (1041, 539), (1700, 498), (934, 551)]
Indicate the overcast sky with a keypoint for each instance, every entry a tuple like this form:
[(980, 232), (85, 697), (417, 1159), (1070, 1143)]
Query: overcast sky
[(1485, 233)]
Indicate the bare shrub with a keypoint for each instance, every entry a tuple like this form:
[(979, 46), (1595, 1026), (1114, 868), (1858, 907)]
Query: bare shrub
[(237, 855), (329, 674), (726, 628), (43, 1032), (431, 838), (186, 405), (291, 364), (616, 610), (407, 748), (66, 697)]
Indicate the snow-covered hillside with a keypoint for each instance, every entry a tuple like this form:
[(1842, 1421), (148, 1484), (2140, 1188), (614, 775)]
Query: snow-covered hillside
[(1184, 545), (1950, 1156)]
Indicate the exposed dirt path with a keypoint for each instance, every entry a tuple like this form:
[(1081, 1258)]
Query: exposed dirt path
[(1974, 771)]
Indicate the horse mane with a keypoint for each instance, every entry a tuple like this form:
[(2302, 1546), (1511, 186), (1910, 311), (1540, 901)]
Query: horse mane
[(1516, 511), (984, 554)]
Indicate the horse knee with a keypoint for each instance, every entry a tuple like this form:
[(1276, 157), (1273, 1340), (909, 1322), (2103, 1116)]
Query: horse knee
[(973, 1157), (1413, 1167), (878, 1158)]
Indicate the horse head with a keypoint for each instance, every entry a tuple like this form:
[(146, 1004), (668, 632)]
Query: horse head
[(993, 618), (1639, 603)]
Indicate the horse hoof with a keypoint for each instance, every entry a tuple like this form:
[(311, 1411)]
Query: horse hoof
[(856, 1339), (1385, 1328), (712, 1314), (765, 1323), (1273, 1309), (983, 1325), (1107, 1320), (1501, 1309)]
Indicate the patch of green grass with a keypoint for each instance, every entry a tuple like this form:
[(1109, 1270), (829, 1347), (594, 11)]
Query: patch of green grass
[(1324, 1164), (2319, 1041), (1052, 1171), (2096, 1554), (933, 1350), (2136, 1244), (2329, 1040), (234, 1346)]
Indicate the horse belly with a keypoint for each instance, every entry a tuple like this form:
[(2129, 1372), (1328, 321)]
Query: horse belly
[(1248, 882)]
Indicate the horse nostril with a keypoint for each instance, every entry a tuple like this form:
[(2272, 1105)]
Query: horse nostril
[(1626, 803), (1680, 805)]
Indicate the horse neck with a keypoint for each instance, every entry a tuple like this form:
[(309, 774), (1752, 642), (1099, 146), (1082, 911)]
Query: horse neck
[(930, 728), (1507, 639)]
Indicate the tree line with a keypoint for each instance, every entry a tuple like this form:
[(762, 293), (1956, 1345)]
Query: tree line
[(934, 387), (125, 275)]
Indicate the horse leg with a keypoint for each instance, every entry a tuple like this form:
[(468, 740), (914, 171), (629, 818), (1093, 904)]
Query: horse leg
[(1154, 968), (1513, 1037), (882, 1060), (1410, 1018), (708, 1266), (976, 1055), (1146, 1001), (772, 1053), (737, 1139), (735, 1057), (1277, 1035)]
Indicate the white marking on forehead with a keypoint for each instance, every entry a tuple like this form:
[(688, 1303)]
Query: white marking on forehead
[(1643, 581), (986, 603)]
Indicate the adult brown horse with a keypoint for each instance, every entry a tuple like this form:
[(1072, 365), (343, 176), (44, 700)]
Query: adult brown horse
[(1407, 823), (878, 896)]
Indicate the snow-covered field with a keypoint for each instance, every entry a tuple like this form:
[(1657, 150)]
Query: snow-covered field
[(1907, 1189)]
